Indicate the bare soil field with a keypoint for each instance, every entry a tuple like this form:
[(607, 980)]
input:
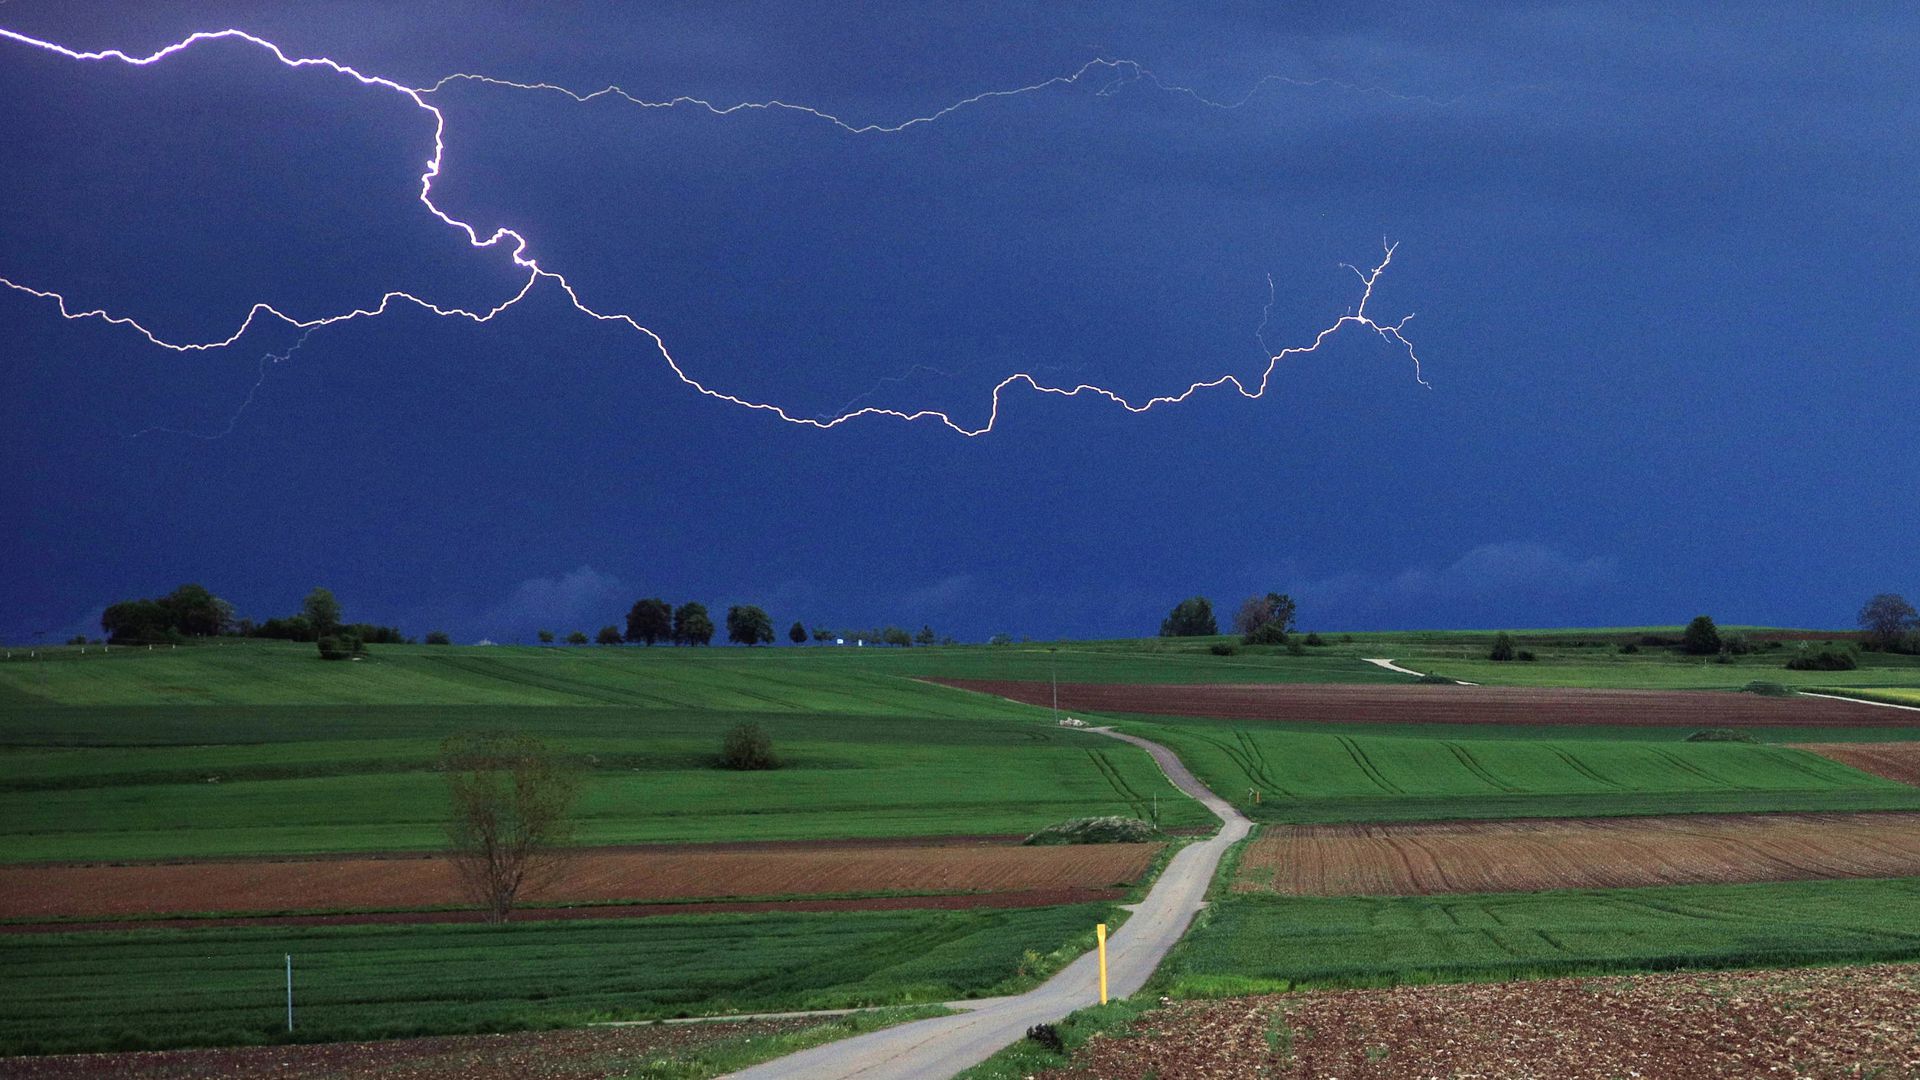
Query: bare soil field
[(1422, 858), (593, 877), (1896, 761), (1418, 704), (585, 1054), (1818, 1022)]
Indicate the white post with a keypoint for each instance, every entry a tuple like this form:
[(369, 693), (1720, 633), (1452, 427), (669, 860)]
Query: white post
[(289, 993)]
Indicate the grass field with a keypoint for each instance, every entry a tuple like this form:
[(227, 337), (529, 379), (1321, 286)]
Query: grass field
[(1890, 695), (1353, 774), (147, 783), (1254, 944), (214, 987)]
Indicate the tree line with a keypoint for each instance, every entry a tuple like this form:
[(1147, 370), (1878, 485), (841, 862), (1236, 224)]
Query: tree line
[(654, 621), (193, 611)]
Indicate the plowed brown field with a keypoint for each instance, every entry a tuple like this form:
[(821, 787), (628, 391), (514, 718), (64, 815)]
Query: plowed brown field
[(1894, 760), (1420, 704), (314, 885), (1820, 1022), (1516, 856)]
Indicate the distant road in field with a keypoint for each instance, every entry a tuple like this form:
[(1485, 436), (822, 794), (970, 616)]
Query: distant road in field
[(945, 1045)]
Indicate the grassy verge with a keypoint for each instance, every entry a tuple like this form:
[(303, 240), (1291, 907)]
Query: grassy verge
[(146, 989), (731, 1055)]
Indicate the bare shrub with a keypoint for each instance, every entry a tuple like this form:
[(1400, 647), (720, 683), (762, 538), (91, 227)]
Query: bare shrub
[(511, 801)]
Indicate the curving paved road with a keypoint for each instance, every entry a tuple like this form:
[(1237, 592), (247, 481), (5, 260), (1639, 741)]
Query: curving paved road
[(945, 1045)]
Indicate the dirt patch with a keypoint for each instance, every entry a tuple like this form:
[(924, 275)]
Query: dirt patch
[(595, 877), (1419, 859), (1816, 1022), (587, 1054), (1417, 704), (1899, 761), (944, 902)]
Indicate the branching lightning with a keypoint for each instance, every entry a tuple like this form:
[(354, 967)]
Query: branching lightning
[(1119, 73)]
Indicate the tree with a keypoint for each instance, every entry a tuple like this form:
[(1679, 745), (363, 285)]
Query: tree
[(821, 633), (894, 635), (322, 611), (1190, 618), (188, 611), (925, 636), (748, 747), (1888, 621), (511, 800), (749, 625), (650, 621), (608, 635), (1265, 620), (546, 637), (692, 625), (577, 638), (438, 637), (1502, 647), (1702, 638), (797, 633)]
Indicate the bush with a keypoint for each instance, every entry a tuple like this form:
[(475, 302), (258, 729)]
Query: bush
[(1223, 648), (1436, 680), (1095, 830), (1525, 655), (1314, 639), (1294, 648), (1267, 633), (1629, 649), (1767, 689), (1719, 734), (1047, 1036), (1502, 647), (438, 637), (341, 647), (1824, 660), (748, 747)]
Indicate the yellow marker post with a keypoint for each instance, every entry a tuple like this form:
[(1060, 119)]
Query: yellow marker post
[(1100, 931)]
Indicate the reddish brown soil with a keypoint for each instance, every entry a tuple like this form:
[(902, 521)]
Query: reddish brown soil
[(1422, 704), (410, 886), (1895, 760), (1512, 856), (943, 902), (1822, 1022), (588, 1054)]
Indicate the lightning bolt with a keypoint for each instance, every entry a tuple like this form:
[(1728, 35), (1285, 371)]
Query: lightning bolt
[(1121, 72)]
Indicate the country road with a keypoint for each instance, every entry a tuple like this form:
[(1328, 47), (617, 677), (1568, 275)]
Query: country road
[(945, 1045)]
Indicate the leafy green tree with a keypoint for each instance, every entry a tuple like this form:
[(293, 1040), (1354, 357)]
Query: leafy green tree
[(1190, 618), (821, 633), (797, 633), (692, 625), (322, 611), (577, 638), (894, 635), (1702, 637), (608, 635), (438, 637), (925, 636), (1502, 647), (748, 625), (650, 621), (546, 637), (1889, 621)]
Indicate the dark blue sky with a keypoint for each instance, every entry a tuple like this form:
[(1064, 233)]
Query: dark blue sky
[(1663, 265)]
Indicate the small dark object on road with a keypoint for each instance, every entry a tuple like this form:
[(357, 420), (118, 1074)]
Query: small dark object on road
[(1048, 1036)]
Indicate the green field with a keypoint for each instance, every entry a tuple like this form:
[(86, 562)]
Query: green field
[(1253, 944), (1351, 773), (1890, 695), (225, 986)]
